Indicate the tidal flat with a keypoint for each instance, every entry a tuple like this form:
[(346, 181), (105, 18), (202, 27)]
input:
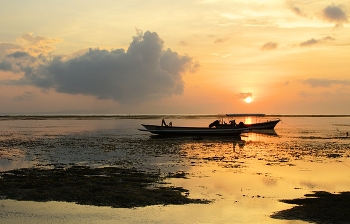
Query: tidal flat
[(104, 170)]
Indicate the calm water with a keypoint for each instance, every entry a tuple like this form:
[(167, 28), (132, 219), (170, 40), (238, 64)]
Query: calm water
[(244, 177)]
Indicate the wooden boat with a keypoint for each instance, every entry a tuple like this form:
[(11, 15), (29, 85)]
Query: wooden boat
[(194, 131), (215, 128), (269, 124), (263, 125)]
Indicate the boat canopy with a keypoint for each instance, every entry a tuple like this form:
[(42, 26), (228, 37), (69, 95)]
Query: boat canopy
[(245, 115)]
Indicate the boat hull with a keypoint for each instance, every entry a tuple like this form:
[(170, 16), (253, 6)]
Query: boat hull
[(255, 126), (264, 125), (196, 131)]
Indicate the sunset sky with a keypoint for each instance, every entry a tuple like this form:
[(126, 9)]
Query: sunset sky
[(174, 57)]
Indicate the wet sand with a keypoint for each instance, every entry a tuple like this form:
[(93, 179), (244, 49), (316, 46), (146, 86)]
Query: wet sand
[(108, 186), (318, 207), (246, 180)]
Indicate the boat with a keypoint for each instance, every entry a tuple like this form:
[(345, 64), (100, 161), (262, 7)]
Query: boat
[(169, 130), (263, 125), (269, 124)]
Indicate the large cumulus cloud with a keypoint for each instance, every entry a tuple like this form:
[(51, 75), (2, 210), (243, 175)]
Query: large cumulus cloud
[(144, 71)]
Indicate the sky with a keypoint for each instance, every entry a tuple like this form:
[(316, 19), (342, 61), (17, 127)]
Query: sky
[(174, 57)]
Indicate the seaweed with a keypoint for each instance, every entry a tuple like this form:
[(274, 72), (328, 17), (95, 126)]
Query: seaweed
[(108, 186), (319, 207)]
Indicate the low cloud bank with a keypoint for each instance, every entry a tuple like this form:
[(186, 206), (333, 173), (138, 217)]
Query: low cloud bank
[(313, 82)]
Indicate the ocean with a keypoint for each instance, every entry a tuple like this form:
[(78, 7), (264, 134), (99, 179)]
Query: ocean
[(244, 179)]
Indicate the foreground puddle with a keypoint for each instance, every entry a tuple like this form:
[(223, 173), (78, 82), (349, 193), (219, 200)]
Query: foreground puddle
[(7, 164)]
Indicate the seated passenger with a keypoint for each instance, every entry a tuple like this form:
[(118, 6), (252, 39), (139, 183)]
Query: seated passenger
[(163, 123), (241, 125)]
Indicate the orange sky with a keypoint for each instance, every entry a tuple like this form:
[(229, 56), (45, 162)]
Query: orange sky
[(183, 57)]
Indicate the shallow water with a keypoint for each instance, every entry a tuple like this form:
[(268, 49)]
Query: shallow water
[(244, 177)]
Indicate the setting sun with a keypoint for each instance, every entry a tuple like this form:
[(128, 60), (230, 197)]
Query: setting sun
[(248, 99)]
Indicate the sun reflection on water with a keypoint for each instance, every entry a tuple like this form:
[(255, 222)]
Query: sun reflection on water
[(243, 177)]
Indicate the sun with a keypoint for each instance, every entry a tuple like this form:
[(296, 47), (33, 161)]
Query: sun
[(249, 99)]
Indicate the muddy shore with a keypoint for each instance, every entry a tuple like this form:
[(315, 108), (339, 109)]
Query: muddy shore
[(108, 186), (318, 207)]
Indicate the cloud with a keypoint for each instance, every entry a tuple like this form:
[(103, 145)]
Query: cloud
[(305, 94), (325, 82), (258, 22), (145, 71), (244, 95), (36, 45), (220, 40), (332, 13), (7, 48), (269, 46), (308, 43), (183, 43), (335, 14), (18, 62), (26, 96), (327, 38), (313, 41), (221, 55), (296, 10)]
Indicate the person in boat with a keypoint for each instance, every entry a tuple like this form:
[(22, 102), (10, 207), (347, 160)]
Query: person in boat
[(241, 125), (214, 124), (163, 123), (233, 123)]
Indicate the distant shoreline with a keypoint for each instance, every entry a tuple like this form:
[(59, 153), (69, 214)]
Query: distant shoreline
[(145, 116)]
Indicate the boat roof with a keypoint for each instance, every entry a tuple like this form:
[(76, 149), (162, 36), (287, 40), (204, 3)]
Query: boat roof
[(245, 115)]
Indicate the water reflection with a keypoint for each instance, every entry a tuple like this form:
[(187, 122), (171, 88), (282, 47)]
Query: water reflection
[(267, 132), (244, 176), (219, 143), (6, 164)]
